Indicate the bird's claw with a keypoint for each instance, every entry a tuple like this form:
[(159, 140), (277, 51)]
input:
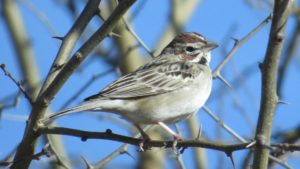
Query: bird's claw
[(175, 142), (142, 147)]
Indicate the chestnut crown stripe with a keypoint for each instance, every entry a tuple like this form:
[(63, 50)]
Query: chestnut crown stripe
[(189, 38)]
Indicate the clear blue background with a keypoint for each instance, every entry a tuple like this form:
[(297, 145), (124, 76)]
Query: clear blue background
[(218, 20)]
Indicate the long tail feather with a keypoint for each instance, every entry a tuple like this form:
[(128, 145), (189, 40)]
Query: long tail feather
[(85, 106)]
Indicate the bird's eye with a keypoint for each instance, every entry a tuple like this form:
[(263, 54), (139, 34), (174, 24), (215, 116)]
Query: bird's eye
[(190, 49)]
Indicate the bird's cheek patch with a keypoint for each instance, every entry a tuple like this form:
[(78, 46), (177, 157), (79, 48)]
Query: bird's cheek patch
[(188, 57)]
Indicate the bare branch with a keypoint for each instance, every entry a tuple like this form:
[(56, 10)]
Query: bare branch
[(240, 138), (87, 163), (40, 15), (269, 96), (27, 146), (223, 125), (108, 135), (199, 154), (128, 27), (129, 57), (21, 41), (290, 52), (55, 149), (287, 147), (84, 87), (46, 151), (69, 41), (180, 13), (20, 86), (238, 44), (180, 162)]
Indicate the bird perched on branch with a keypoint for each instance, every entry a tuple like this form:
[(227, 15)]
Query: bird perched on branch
[(171, 87)]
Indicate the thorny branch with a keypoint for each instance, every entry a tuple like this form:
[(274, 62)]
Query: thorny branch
[(109, 135), (238, 43), (118, 151), (269, 70), (84, 87), (84, 135), (27, 146), (287, 58), (69, 41)]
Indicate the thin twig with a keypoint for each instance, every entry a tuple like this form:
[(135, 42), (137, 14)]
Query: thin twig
[(24, 51), (287, 57), (180, 162), (225, 126), (87, 163), (15, 103), (44, 152), (180, 13), (7, 73), (240, 138), (128, 27), (60, 158), (40, 15), (287, 146), (84, 87), (237, 45)]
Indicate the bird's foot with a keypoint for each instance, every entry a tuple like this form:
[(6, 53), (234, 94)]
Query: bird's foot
[(142, 147), (175, 142)]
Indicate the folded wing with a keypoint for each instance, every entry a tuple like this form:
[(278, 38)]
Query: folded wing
[(151, 81)]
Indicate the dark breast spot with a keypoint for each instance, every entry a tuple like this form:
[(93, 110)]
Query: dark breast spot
[(186, 75)]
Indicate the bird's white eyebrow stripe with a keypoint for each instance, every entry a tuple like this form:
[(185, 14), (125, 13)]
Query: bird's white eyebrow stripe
[(196, 45)]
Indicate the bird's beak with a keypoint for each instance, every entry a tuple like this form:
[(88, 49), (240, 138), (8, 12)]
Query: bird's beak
[(211, 45)]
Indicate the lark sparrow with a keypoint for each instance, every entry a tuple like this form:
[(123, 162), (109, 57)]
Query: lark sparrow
[(171, 87)]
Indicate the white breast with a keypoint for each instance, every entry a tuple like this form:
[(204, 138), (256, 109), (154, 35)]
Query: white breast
[(170, 107)]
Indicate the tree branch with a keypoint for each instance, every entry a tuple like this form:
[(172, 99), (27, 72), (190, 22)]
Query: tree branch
[(109, 135), (69, 41), (269, 98), (21, 41), (27, 146), (20, 86), (287, 58), (238, 44)]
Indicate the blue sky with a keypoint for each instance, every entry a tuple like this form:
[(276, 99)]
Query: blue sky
[(218, 20)]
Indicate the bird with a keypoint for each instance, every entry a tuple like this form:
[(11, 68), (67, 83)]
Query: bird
[(171, 87)]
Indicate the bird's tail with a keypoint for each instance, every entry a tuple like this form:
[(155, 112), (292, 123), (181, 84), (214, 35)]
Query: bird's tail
[(85, 106)]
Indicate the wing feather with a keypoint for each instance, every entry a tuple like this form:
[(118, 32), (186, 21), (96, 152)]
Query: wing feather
[(151, 81)]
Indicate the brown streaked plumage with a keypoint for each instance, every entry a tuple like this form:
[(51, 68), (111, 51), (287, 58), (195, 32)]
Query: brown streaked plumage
[(169, 88)]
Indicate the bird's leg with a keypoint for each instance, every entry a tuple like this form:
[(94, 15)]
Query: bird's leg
[(175, 135), (144, 135)]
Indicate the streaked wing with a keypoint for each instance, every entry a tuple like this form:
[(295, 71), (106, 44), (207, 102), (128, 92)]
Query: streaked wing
[(151, 80)]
